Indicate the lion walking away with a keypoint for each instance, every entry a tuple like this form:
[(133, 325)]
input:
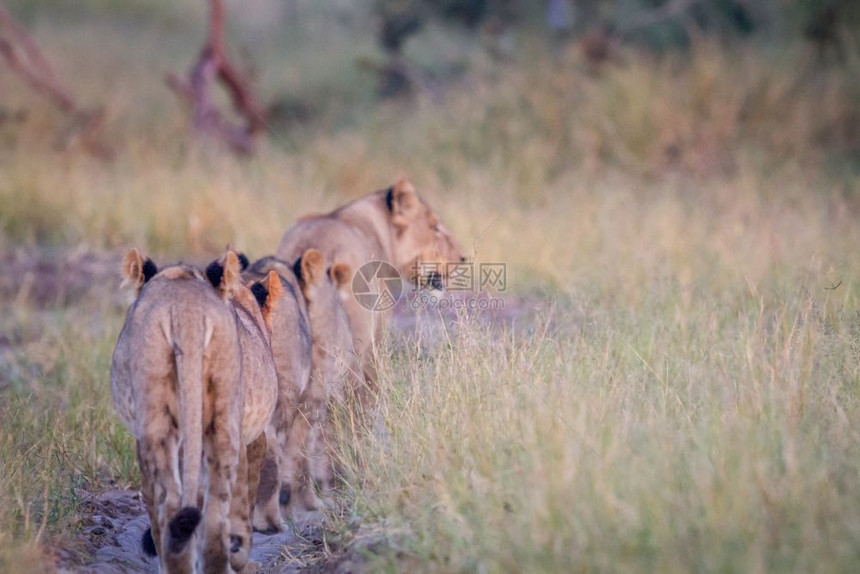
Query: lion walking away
[(176, 385)]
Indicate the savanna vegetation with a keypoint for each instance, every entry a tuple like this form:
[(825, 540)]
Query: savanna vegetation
[(683, 214)]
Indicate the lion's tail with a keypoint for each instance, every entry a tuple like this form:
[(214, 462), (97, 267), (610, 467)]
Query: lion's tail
[(186, 342), (188, 345)]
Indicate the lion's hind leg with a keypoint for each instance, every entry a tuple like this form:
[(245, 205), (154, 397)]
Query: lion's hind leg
[(221, 446), (240, 518), (263, 454), (172, 527)]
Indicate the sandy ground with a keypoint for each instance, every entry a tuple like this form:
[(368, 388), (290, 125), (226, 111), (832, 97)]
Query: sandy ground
[(113, 523)]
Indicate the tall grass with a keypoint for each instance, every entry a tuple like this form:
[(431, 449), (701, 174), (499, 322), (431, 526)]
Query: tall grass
[(686, 398), (704, 423), (59, 438)]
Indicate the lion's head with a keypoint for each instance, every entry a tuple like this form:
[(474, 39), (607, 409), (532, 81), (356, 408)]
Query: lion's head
[(422, 246)]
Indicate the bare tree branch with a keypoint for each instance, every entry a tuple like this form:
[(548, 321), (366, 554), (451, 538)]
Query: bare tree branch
[(25, 59), (34, 54), (42, 78), (213, 64)]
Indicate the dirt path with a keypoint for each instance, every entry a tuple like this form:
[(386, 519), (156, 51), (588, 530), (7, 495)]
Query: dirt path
[(114, 522)]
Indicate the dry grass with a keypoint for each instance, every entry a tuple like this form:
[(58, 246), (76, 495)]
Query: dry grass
[(687, 405), (688, 401), (59, 437)]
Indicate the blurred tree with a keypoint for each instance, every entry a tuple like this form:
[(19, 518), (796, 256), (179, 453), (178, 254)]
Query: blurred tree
[(559, 17), (470, 13), (402, 19), (601, 26), (214, 64), (24, 58), (828, 23)]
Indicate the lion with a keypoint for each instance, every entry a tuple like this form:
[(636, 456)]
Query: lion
[(291, 347), (335, 370), (254, 309), (393, 225), (327, 351), (176, 385), (258, 384)]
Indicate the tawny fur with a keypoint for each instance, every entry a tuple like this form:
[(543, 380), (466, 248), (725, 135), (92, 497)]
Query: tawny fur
[(291, 347), (393, 225), (260, 384), (176, 385), (335, 372)]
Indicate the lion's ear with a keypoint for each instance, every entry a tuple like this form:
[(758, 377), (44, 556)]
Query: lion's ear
[(275, 287), (268, 293), (137, 269), (232, 270), (340, 274), (215, 274), (260, 293), (401, 198), (243, 261), (224, 276), (274, 293), (312, 267)]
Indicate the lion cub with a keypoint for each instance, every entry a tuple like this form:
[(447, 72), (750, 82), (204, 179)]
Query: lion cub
[(321, 343), (176, 385), (291, 347), (253, 309), (335, 369)]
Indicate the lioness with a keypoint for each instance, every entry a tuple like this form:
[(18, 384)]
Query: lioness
[(176, 385), (335, 370), (253, 310), (393, 225)]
